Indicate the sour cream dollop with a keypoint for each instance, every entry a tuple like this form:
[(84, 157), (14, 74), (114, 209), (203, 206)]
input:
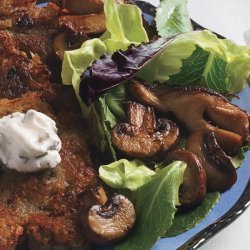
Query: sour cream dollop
[(29, 142)]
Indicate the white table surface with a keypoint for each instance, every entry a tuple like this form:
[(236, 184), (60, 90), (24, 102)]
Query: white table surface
[(230, 18)]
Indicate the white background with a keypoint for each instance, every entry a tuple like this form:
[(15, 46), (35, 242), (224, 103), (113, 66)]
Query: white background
[(230, 18)]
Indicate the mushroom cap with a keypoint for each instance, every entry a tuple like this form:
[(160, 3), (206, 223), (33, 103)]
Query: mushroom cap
[(194, 187), (198, 109), (220, 171), (144, 137), (109, 223)]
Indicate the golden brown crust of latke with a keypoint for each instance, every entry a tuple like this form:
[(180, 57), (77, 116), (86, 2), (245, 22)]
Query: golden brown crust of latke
[(41, 208), (45, 206)]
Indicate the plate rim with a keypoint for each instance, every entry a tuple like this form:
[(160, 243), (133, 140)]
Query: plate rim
[(241, 204)]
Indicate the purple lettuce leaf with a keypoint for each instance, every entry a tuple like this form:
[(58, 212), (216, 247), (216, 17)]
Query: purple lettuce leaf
[(111, 70)]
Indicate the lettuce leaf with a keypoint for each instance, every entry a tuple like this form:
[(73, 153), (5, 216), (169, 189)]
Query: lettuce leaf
[(115, 99), (112, 70), (172, 17), (109, 111), (200, 58), (119, 19), (240, 157), (107, 120), (184, 221), (126, 174), (119, 35), (155, 204)]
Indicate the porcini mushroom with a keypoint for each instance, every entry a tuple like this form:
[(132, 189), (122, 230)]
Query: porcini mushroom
[(198, 109), (111, 222), (220, 171), (194, 186), (144, 137)]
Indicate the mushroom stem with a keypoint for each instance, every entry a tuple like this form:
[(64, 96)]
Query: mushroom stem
[(144, 137), (94, 196), (190, 105)]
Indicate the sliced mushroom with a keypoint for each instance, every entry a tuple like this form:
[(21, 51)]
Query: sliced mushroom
[(109, 223), (191, 105), (144, 137), (89, 24), (220, 171), (83, 7), (65, 41), (193, 189)]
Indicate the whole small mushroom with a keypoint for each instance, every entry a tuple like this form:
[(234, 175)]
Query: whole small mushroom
[(143, 136), (110, 222)]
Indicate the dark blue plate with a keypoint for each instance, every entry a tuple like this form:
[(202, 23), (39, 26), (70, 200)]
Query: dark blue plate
[(232, 203)]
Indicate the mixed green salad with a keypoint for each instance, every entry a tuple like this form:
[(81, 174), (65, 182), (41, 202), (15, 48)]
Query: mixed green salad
[(180, 56)]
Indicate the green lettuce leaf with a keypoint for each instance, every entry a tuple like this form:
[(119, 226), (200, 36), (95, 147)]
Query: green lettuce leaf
[(109, 110), (76, 61), (119, 35), (172, 17), (238, 159), (126, 174), (119, 20), (115, 99), (155, 205), (200, 58), (184, 221), (107, 121)]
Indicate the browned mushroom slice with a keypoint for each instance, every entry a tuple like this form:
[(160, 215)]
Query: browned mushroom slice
[(220, 172), (144, 137), (88, 24), (191, 105), (194, 185), (84, 6), (109, 223), (65, 41)]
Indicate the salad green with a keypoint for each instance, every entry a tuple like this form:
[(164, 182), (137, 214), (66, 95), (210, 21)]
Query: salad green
[(192, 58), (184, 221), (200, 58), (155, 205), (172, 17), (126, 174)]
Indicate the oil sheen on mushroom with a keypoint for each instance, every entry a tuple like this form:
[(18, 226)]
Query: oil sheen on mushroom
[(88, 24), (220, 172), (193, 189), (110, 222), (144, 137), (191, 105)]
